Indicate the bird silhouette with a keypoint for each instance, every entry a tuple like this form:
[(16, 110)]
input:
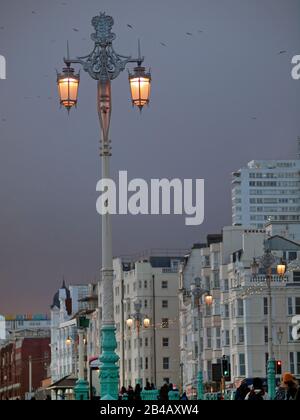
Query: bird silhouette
[(1, 28), (163, 44), (129, 26), (200, 31), (189, 33), (75, 30), (282, 52)]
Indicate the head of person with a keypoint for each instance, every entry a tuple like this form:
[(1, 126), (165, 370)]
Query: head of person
[(288, 380), (257, 383)]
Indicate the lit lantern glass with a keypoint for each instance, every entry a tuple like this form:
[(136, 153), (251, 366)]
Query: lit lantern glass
[(129, 322), (281, 269), (68, 83), (209, 299), (146, 322), (68, 341), (140, 86)]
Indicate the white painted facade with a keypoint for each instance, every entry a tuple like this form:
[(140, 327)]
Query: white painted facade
[(266, 191), (154, 283), (236, 324)]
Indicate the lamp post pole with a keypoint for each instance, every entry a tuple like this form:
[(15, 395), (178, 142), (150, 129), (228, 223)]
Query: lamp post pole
[(82, 387), (267, 262), (198, 292), (103, 64)]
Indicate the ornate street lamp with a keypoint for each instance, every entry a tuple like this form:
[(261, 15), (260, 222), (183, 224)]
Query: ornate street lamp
[(267, 262), (197, 292), (104, 65), (68, 84), (140, 84)]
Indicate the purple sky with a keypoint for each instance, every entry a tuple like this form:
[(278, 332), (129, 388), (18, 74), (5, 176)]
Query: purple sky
[(206, 90)]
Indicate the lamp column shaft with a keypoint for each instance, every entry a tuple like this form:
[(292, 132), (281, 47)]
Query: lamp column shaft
[(200, 387), (109, 371), (139, 351), (81, 355), (271, 360)]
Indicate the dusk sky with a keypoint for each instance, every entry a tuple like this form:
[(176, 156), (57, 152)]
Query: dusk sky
[(221, 97)]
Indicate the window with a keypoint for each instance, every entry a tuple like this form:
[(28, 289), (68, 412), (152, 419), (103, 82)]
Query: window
[(208, 338), (242, 364), (292, 256), (165, 304), (218, 337), (164, 284), (165, 342), (292, 363), (146, 363), (266, 306), (226, 310), (145, 284), (296, 276), (140, 284), (240, 307), (166, 380), (146, 341), (216, 284), (134, 286), (241, 335), (290, 306), (227, 338), (166, 363), (206, 261), (165, 323), (226, 285), (266, 334), (145, 303), (297, 306), (209, 370)]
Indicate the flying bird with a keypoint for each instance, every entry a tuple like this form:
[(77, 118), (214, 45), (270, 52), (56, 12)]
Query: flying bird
[(1, 28), (33, 12), (129, 26), (189, 33), (282, 52), (163, 44), (75, 30), (254, 118), (200, 31)]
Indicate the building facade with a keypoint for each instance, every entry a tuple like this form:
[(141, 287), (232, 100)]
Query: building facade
[(24, 363), (148, 354), (68, 304), (235, 326), (266, 191)]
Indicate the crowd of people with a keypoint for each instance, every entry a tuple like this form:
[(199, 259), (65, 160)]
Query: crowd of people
[(288, 390), (131, 394)]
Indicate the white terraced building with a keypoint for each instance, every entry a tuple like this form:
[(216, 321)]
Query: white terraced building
[(236, 325)]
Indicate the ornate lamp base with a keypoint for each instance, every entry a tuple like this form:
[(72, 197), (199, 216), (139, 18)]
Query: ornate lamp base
[(81, 390), (200, 388), (271, 378), (109, 371)]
